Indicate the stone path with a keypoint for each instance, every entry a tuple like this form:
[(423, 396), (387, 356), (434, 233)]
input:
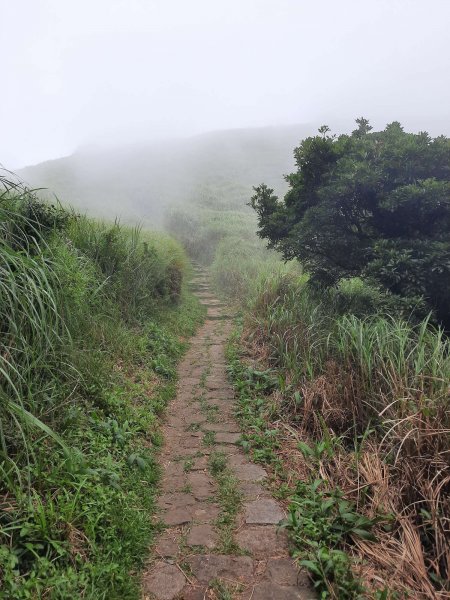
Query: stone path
[(221, 539)]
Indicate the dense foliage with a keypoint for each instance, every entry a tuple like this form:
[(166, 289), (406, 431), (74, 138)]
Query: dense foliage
[(347, 404), (370, 204), (90, 319), (358, 411)]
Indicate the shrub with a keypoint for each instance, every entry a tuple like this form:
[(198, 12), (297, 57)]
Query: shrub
[(370, 204), (90, 326)]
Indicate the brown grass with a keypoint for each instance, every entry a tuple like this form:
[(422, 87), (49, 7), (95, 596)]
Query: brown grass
[(401, 469)]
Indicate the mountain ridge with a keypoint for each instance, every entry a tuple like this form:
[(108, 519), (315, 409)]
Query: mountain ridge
[(141, 181)]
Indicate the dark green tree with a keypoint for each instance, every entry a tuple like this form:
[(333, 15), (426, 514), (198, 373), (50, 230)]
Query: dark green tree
[(370, 204)]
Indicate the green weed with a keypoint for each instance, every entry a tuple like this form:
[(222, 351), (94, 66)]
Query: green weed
[(187, 465), (223, 590), (229, 499), (209, 438), (91, 315), (320, 521)]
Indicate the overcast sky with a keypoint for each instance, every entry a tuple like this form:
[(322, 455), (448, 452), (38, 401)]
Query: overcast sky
[(76, 72)]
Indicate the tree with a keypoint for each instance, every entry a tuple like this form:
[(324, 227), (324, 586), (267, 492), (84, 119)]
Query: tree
[(370, 204)]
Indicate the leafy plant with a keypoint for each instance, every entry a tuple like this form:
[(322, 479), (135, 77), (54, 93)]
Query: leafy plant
[(370, 204), (91, 325), (320, 521)]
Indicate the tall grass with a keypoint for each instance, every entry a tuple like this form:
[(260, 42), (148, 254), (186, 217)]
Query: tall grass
[(222, 236), (32, 330), (134, 272), (90, 315), (379, 385), (349, 367)]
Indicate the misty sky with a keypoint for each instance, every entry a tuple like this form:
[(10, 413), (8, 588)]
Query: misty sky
[(78, 72)]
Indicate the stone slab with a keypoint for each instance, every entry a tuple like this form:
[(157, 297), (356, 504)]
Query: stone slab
[(263, 541), (251, 491), (205, 512), (177, 516), (206, 567), (202, 535), (282, 571), (263, 511), (221, 427), (164, 581), (200, 464), (227, 438), (173, 484), (176, 499), (189, 442), (200, 479), (167, 545), (194, 593), (250, 472), (267, 590)]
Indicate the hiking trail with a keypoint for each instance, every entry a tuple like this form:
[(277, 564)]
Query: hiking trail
[(221, 538)]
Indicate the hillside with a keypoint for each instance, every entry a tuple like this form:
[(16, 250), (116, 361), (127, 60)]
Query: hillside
[(341, 391), (94, 320), (141, 181)]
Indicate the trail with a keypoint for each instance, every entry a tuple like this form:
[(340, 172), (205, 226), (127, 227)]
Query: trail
[(221, 539)]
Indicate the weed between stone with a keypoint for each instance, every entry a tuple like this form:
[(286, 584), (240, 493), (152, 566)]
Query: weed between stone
[(209, 410), (230, 500), (187, 465), (223, 590), (209, 439)]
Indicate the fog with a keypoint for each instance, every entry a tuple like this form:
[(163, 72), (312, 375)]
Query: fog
[(90, 73)]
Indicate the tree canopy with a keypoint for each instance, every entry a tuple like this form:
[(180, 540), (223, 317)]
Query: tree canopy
[(368, 204)]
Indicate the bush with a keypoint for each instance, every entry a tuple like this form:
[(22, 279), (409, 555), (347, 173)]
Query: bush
[(372, 205), (90, 318)]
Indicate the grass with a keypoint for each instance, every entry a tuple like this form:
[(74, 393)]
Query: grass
[(229, 499), (319, 521), (342, 373), (369, 396), (93, 318), (209, 439), (223, 590), (221, 235), (187, 465)]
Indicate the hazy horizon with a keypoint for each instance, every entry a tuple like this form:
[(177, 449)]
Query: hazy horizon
[(96, 146), (105, 73)]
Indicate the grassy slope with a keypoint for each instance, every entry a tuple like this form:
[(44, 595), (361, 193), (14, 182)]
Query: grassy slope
[(360, 406), (94, 319), (161, 174)]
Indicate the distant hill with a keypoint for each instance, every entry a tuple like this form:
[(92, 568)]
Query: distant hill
[(139, 182)]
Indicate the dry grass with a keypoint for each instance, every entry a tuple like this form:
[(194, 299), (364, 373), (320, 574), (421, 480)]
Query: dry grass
[(398, 467)]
